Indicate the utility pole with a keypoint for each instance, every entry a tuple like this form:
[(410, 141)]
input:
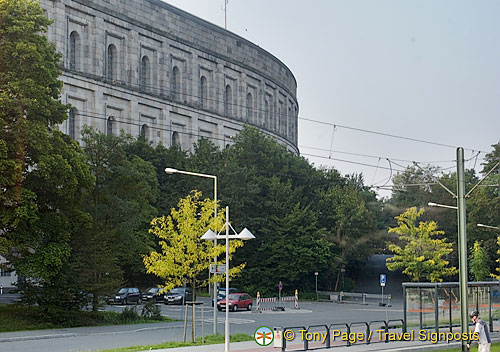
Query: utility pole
[(462, 245)]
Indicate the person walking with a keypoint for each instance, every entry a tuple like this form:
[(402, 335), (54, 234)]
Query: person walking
[(481, 328)]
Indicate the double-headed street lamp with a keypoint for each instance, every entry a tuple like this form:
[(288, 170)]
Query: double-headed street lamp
[(170, 171), (243, 235)]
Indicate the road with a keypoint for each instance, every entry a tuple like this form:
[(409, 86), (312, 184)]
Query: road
[(97, 338)]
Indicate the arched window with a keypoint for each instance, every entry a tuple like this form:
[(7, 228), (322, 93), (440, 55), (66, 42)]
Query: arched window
[(266, 113), (145, 131), (74, 51), (228, 101), (112, 62), (249, 107), (110, 125), (175, 84), (145, 73), (288, 120), (71, 123), (176, 139), (203, 92)]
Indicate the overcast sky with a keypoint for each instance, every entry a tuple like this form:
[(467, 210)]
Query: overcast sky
[(426, 69)]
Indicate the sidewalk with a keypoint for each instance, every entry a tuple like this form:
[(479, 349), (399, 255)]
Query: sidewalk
[(251, 346)]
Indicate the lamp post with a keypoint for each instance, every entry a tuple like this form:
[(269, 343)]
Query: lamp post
[(488, 226), (316, 275), (170, 171), (431, 204), (210, 236)]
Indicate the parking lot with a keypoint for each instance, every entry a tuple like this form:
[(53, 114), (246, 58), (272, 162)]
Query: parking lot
[(96, 338)]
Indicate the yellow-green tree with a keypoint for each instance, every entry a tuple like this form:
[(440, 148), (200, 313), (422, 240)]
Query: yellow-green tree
[(497, 276), (184, 256), (420, 254), (479, 264)]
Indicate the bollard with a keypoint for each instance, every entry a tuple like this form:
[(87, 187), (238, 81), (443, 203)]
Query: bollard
[(258, 303)]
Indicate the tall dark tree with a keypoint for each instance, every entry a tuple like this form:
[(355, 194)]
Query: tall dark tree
[(42, 172), (120, 202)]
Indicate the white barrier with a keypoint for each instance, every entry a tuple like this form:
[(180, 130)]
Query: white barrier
[(273, 303)]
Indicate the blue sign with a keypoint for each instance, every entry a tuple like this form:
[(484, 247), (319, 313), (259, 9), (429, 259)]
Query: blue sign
[(382, 279)]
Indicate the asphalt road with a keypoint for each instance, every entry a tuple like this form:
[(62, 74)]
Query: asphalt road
[(98, 338)]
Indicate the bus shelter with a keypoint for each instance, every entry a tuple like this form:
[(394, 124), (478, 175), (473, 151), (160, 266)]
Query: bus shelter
[(437, 305)]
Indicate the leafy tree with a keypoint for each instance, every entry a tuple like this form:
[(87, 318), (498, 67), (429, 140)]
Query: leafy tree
[(119, 202), (42, 172), (492, 159), (479, 265), (497, 276), (29, 106), (350, 225), (421, 257), (184, 256)]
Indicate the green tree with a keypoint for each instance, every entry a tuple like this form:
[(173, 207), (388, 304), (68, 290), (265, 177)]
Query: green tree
[(350, 226), (479, 265), (184, 256), (421, 255), (497, 276), (29, 107), (42, 172), (119, 201)]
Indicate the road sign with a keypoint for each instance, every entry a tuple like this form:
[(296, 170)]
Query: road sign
[(218, 269), (281, 286), (382, 280)]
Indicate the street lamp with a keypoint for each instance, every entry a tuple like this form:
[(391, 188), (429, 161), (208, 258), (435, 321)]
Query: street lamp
[(210, 236), (316, 275), (431, 204), (170, 171), (488, 226)]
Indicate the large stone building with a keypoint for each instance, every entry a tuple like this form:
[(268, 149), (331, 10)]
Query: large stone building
[(146, 67)]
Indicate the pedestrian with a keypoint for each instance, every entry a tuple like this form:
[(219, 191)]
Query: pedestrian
[(481, 328)]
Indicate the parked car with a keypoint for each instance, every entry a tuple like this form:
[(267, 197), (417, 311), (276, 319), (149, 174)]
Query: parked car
[(236, 301), (153, 293), (127, 295), (179, 295), (221, 292)]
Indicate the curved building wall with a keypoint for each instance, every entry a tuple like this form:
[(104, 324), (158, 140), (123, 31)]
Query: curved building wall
[(143, 66)]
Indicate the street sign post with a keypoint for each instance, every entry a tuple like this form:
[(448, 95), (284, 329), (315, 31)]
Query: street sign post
[(218, 269), (383, 279)]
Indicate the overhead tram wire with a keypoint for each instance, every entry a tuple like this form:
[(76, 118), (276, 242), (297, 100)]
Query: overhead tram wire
[(384, 134), (273, 112), (376, 157), (168, 100), (347, 161)]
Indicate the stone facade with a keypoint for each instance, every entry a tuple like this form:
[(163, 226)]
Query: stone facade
[(146, 67)]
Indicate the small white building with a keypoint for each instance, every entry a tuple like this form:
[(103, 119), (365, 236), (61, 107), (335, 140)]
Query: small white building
[(8, 278)]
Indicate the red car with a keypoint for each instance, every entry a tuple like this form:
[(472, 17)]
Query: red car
[(236, 301)]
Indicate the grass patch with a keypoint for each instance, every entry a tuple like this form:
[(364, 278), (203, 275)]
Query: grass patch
[(495, 347), (18, 318), (209, 340)]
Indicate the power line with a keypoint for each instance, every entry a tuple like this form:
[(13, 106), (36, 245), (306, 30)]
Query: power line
[(348, 161), (271, 112), (383, 134), (374, 156)]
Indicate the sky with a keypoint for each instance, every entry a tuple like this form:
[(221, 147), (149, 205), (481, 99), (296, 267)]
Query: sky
[(427, 70)]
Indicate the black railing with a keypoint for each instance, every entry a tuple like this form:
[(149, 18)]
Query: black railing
[(350, 338)]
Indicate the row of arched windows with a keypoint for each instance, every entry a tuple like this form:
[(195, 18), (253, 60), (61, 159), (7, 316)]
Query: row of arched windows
[(111, 128), (271, 120)]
